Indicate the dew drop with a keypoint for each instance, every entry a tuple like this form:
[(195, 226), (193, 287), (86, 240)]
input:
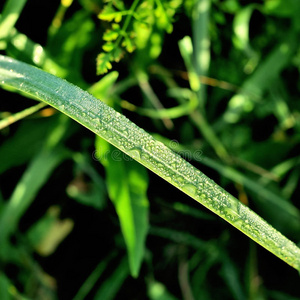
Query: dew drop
[(179, 180), (190, 189), (135, 153), (173, 165)]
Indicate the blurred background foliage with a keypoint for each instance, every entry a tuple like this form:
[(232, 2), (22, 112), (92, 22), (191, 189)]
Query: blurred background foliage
[(217, 81)]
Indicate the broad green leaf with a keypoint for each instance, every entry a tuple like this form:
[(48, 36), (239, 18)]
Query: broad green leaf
[(127, 184), (136, 143)]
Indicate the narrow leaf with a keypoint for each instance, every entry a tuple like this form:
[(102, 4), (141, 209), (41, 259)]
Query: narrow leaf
[(32, 180), (111, 286), (135, 142), (9, 17), (127, 187)]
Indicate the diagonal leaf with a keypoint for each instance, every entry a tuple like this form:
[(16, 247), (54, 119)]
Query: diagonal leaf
[(32, 180), (20, 115), (135, 142), (10, 148)]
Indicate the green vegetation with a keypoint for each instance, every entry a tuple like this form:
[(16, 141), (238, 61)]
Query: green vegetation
[(197, 72)]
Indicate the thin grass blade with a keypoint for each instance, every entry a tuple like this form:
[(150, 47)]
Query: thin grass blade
[(135, 142)]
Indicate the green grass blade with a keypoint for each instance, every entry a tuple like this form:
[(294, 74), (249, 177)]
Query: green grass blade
[(289, 214), (201, 53), (230, 275), (34, 177), (10, 15), (20, 115), (252, 90), (90, 282), (10, 149), (170, 113), (150, 95), (135, 142), (23, 48), (199, 119), (127, 184), (111, 286), (32, 180), (186, 50)]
